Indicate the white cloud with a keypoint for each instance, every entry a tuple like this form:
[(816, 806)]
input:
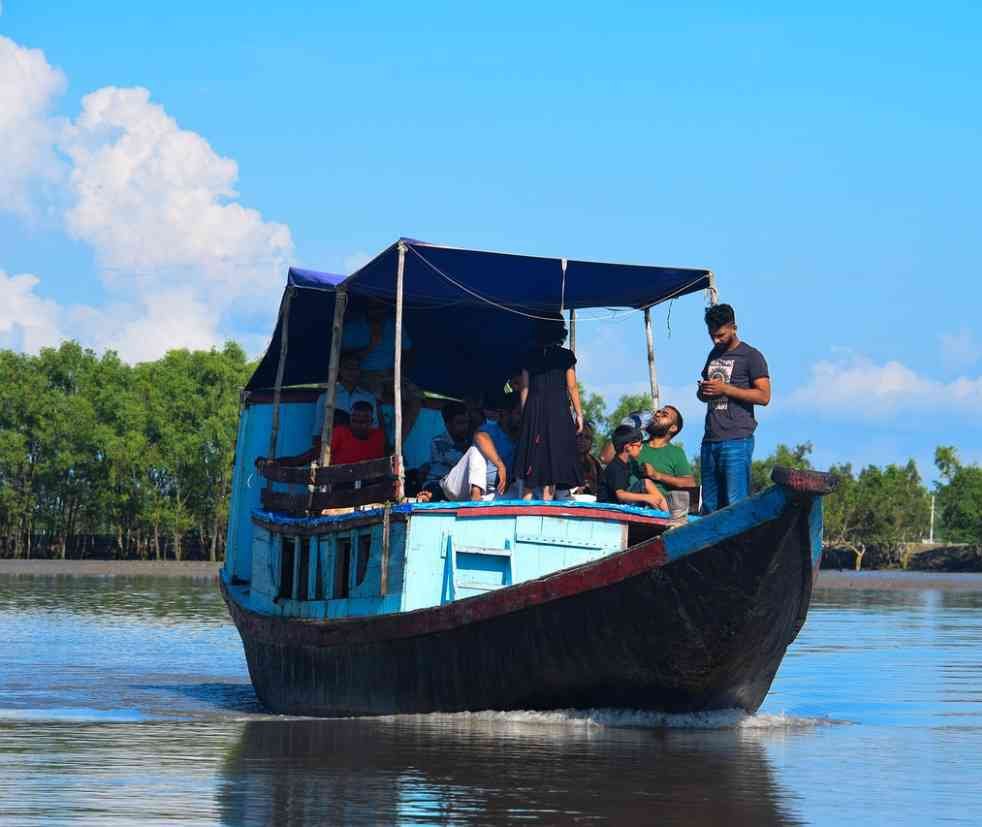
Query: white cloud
[(153, 200), (27, 321), (960, 350), (28, 162), (184, 263), (858, 387)]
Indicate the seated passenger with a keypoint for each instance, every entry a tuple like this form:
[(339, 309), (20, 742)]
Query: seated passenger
[(447, 448), (589, 464), (635, 419), (347, 392), (485, 468), (420, 426), (663, 463), (359, 440), (622, 480)]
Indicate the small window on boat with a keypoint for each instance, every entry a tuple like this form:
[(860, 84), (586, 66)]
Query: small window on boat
[(318, 575), (287, 553), (364, 553), (342, 566), (303, 570)]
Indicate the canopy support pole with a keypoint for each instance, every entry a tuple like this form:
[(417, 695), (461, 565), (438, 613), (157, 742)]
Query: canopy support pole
[(652, 373), (572, 329), (330, 397), (280, 367), (713, 292), (397, 370)]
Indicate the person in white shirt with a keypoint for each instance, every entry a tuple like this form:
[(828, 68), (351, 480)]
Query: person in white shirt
[(347, 393)]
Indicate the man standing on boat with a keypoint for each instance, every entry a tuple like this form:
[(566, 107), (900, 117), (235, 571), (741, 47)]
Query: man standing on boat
[(734, 379)]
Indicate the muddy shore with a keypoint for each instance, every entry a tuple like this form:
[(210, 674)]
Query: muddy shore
[(890, 580)]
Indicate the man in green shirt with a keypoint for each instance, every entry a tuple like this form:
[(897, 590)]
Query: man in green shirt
[(663, 463)]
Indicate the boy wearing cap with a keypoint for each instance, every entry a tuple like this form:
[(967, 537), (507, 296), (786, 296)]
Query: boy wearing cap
[(622, 480)]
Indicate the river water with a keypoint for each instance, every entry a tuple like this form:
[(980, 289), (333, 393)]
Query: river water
[(126, 700)]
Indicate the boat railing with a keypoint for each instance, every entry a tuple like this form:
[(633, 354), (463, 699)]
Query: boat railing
[(332, 486)]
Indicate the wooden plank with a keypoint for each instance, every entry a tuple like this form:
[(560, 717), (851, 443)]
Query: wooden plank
[(323, 529), (397, 369), (281, 365), (357, 471), (384, 467), (298, 504), (337, 332), (491, 552), (380, 492)]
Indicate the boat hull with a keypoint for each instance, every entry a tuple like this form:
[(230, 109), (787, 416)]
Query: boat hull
[(636, 629)]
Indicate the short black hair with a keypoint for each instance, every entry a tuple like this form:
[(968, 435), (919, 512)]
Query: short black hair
[(719, 315), (678, 417), (452, 409), (625, 435), (550, 331), (341, 417), (362, 405)]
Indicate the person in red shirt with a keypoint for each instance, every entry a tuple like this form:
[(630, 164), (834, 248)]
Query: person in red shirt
[(358, 441)]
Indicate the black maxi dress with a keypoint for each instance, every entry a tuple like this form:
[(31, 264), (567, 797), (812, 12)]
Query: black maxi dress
[(546, 451)]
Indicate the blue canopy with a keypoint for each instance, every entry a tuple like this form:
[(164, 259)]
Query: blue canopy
[(469, 314)]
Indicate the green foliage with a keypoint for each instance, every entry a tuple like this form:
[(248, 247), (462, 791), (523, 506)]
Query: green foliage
[(882, 507), (797, 457), (959, 502), (92, 446)]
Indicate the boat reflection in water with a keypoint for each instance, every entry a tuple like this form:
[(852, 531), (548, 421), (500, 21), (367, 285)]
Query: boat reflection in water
[(496, 770)]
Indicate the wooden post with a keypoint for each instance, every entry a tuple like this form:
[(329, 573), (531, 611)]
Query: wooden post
[(386, 539), (713, 292), (277, 389), (652, 374), (397, 370), (572, 329), (337, 333)]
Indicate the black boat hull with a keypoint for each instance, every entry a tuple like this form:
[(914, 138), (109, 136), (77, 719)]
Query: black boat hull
[(637, 629)]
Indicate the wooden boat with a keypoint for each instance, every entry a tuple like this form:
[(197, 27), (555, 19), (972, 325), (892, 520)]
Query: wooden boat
[(352, 601)]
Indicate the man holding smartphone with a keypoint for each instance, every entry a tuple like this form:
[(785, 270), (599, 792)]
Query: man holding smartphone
[(734, 379)]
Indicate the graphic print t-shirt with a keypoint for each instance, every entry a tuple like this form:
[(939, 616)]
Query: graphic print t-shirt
[(728, 418)]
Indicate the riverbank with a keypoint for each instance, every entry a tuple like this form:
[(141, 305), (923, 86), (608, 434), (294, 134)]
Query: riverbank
[(884, 580), (195, 569)]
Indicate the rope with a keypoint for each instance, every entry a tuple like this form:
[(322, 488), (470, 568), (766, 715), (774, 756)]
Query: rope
[(611, 314)]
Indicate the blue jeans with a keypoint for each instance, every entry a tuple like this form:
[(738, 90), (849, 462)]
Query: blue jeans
[(725, 469)]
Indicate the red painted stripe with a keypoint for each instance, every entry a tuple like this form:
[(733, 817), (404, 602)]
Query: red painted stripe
[(545, 511), (595, 575)]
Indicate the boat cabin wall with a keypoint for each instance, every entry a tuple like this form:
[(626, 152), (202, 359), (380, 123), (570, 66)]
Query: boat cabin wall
[(460, 554), (255, 424), (334, 574)]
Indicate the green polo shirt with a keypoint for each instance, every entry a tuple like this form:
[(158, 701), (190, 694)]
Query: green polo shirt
[(669, 459)]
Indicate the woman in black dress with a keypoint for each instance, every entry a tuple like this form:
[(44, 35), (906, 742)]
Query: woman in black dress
[(546, 454)]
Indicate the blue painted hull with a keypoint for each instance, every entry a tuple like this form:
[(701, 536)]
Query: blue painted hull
[(696, 619)]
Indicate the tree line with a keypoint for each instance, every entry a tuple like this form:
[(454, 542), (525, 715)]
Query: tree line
[(99, 457), (134, 458), (873, 507)]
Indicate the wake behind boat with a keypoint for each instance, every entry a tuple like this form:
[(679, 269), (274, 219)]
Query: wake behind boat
[(351, 599)]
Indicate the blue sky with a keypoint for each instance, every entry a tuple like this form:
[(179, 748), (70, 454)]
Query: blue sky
[(825, 164)]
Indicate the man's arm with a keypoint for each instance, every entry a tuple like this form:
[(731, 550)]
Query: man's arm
[(485, 445), (668, 479), (758, 394), (305, 458), (574, 394), (607, 454), (655, 500)]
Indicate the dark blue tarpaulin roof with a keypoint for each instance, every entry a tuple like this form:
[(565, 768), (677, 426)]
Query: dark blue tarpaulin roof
[(470, 314)]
